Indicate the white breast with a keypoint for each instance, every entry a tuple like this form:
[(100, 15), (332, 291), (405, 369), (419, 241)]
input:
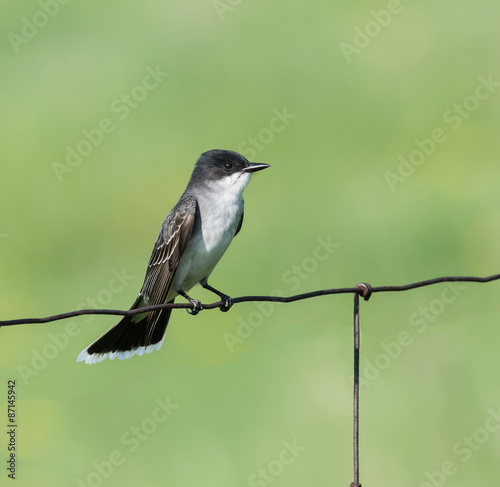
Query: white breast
[(220, 212)]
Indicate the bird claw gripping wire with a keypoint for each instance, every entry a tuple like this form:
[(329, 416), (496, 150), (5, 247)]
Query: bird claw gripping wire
[(227, 302), (197, 307)]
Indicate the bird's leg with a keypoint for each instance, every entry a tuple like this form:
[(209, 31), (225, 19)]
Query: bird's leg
[(197, 305), (227, 301)]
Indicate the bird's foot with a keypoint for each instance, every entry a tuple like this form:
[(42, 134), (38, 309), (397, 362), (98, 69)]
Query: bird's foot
[(227, 302), (197, 307)]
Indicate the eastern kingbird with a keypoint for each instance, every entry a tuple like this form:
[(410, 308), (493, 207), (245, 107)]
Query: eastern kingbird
[(192, 239)]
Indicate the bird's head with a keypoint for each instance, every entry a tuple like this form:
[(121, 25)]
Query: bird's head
[(225, 171)]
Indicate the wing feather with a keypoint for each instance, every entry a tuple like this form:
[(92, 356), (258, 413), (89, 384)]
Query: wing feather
[(170, 245)]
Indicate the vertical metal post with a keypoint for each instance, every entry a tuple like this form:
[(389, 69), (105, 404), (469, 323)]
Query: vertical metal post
[(356, 483)]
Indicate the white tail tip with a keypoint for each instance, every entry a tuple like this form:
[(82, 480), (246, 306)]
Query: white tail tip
[(95, 358)]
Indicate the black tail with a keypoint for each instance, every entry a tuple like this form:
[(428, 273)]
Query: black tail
[(133, 335)]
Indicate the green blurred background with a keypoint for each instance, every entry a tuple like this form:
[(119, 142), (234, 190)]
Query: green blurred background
[(67, 231)]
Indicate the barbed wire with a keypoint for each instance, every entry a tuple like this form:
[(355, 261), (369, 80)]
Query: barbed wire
[(363, 289)]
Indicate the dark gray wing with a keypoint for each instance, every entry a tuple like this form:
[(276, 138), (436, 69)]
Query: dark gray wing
[(170, 245), (239, 224)]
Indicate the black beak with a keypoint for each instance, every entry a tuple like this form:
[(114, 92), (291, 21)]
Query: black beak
[(255, 166)]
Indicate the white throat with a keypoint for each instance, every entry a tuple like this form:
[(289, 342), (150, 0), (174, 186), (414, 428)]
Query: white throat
[(231, 187)]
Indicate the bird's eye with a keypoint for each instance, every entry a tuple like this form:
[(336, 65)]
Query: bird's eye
[(228, 166)]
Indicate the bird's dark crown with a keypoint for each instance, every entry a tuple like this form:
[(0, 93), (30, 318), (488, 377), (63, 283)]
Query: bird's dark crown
[(217, 164)]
